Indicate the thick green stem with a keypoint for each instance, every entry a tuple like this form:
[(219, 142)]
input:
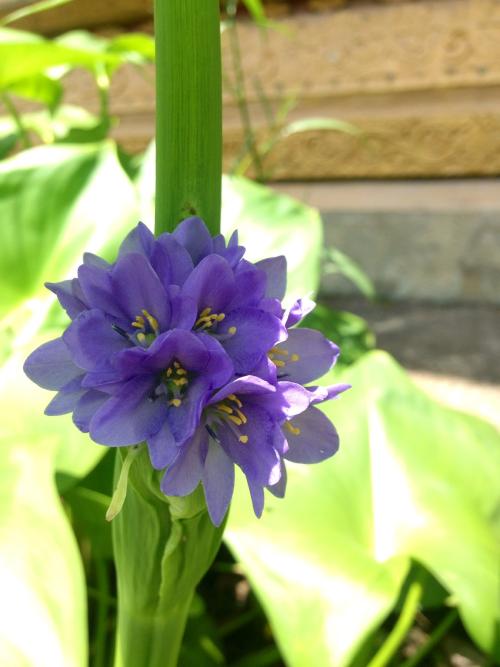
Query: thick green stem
[(162, 550), (188, 112), (402, 627)]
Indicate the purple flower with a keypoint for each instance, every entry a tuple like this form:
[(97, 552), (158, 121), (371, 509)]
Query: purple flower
[(185, 345)]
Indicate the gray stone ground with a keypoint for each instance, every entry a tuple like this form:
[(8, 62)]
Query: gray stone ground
[(453, 351)]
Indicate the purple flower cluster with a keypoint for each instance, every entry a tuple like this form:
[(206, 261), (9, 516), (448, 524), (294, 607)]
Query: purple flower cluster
[(184, 344)]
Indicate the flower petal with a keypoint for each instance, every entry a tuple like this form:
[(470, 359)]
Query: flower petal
[(184, 309), (86, 407), (211, 284), (181, 263), (184, 475), (65, 293), (91, 340), (66, 398), (50, 366), (305, 356), (322, 394), (250, 288), (219, 368), (256, 457), (256, 332), (137, 288), (218, 481), (139, 240), (288, 400), (275, 269), (184, 419), (279, 488), (257, 496), (96, 286), (162, 447), (193, 234), (315, 440), (130, 416), (298, 311)]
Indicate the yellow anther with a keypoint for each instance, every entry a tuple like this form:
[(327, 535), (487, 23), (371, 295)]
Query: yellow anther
[(153, 322), (137, 325), (241, 416), (220, 317), (235, 420), (225, 408), (278, 363), (175, 402), (243, 439), (180, 371), (233, 397), (169, 372), (180, 382), (232, 330), (278, 350), (294, 357), (141, 337), (294, 430), (205, 312), (177, 364)]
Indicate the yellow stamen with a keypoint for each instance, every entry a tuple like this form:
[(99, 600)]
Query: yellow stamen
[(278, 363), (233, 397), (294, 430), (278, 350), (220, 317), (205, 312), (137, 325), (181, 371), (225, 408), (232, 330), (241, 416), (235, 420), (141, 337), (177, 364), (180, 382), (153, 322), (175, 402), (243, 439), (169, 372), (294, 357)]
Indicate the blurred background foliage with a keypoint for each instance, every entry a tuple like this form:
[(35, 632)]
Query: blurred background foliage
[(377, 557)]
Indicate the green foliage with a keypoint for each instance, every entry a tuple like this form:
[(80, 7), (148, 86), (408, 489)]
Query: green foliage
[(275, 224), (329, 561)]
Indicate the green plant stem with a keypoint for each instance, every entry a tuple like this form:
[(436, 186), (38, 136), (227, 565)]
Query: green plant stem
[(102, 613), (251, 145), (188, 113), (434, 639), (402, 627), (16, 117)]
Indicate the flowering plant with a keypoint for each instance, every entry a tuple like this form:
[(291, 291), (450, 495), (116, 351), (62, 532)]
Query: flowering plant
[(185, 345)]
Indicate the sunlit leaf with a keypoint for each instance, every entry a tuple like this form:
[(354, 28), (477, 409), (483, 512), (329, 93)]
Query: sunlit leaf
[(339, 262), (274, 224), (412, 479)]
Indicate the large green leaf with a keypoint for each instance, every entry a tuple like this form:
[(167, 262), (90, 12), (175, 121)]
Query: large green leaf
[(55, 202), (269, 224), (25, 54), (413, 479)]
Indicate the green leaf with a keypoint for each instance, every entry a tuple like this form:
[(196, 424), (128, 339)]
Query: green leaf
[(350, 332), (274, 224), (42, 611), (339, 262), (57, 202), (412, 480), (39, 88), (136, 47), (32, 8), (24, 55), (314, 124), (256, 9)]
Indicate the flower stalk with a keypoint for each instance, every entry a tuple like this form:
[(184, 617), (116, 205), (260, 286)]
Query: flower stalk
[(188, 113)]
